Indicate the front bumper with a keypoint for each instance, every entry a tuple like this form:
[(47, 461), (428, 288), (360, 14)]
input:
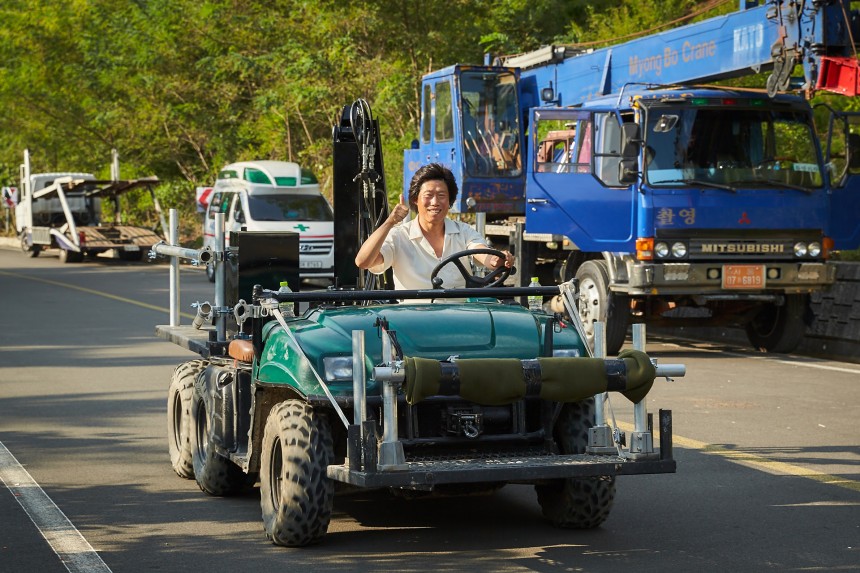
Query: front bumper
[(706, 278)]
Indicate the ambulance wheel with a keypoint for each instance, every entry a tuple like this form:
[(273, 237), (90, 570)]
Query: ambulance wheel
[(215, 474), (180, 397), (780, 328), (597, 304), (576, 503), (296, 496)]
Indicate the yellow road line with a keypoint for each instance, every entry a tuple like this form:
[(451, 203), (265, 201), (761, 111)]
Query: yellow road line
[(757, 462), (95, 292)]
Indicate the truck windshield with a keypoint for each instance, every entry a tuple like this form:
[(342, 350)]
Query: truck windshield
[(757, 148), (491, 127), (289, 207)]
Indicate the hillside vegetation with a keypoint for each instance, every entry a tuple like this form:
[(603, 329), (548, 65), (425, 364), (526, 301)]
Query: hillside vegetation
[(182, 87)]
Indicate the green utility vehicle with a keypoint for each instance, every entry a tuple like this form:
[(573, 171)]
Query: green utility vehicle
[(377, 388)]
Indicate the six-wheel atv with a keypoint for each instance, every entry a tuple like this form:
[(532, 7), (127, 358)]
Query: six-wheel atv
[(472, 393)]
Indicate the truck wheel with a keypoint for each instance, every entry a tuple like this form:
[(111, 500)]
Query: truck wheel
[(577, 503), (295, 494), (180, 396), (780, 328), (131, 256), (210, 272), (597, 304), (31, 251), (70, 256), (215, 474)]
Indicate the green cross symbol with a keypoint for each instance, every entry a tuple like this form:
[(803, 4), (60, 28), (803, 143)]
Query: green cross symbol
[(301, 228)]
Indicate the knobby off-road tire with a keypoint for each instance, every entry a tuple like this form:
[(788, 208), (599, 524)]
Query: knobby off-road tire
[(576, 503), (295, 495), (780, 328), (597, 304), (215, 474), (180, 397)]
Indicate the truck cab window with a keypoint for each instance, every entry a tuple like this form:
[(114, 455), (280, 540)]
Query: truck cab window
[(490, 124), (425, 114), (444, 112)]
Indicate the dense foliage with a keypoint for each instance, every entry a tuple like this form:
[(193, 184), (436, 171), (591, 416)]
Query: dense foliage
[(182, 87)]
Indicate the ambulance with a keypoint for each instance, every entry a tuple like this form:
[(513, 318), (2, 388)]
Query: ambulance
[(274, 196)]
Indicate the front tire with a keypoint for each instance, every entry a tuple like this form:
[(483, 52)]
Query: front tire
[(215, 474), (576, 503), (296, 496), (597, 304), (31, 251), (780, 328), (180, 397)]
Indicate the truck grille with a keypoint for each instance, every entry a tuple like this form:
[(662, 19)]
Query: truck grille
[(746, 249)]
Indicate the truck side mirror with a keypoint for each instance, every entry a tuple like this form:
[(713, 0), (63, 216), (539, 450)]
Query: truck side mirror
[(628, 167), (630, 140)]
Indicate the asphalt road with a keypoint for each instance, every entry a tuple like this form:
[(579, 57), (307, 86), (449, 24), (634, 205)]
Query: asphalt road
[(767, 449)]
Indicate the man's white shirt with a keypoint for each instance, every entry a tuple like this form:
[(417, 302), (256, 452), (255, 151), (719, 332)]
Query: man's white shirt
[(413, 259)]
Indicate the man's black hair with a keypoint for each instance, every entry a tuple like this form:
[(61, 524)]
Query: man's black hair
[(432, 172)]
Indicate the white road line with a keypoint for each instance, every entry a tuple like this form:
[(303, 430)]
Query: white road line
[(74, 551), (785, 359)]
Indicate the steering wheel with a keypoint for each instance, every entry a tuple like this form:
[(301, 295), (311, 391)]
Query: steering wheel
[(775, 161), (493, 279)]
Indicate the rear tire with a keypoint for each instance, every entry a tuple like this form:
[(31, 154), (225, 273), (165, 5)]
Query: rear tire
[(597, 304), (180, 397), (130, 256), (67, 256), (780, 328), (296, 496), (576, 503), (215, 474)]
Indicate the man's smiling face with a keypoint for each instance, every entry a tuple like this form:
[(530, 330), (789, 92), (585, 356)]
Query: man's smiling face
[(433, 201)]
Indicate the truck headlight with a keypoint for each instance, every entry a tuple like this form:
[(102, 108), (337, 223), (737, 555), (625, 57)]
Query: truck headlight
[(661, 249), (799, 249), (337, 368), (679, 250), (814, 249)]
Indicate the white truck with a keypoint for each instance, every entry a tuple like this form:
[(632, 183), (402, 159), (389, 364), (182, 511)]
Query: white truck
[(274, 196), (64, 211)]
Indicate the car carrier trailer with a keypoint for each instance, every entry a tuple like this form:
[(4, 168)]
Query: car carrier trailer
[(63, 211)]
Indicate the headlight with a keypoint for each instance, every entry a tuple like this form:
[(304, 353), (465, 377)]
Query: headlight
[(799, 249), (337, 368), (679, 250), (661, 249), (814, 249)]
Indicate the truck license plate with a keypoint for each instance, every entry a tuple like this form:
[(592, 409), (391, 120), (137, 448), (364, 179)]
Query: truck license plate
[(743, 276), (310, 264), (131, 248)]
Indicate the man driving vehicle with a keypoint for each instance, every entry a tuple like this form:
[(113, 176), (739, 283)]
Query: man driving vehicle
[(414, 248)]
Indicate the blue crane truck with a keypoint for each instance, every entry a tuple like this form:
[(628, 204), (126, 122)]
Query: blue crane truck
[(672, 201)]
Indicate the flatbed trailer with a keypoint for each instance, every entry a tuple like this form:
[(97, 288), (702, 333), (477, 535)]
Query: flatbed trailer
[(66, 214)]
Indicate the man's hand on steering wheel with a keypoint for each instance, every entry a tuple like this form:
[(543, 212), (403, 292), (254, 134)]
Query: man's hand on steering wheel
[(495, 278)]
